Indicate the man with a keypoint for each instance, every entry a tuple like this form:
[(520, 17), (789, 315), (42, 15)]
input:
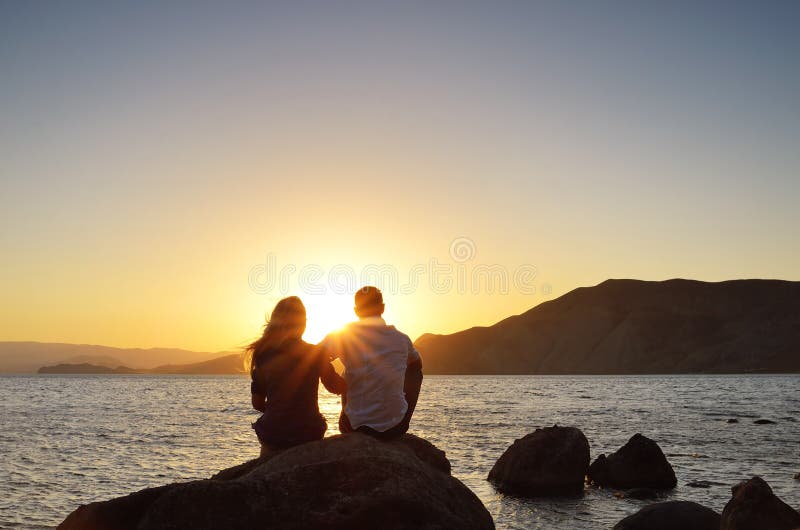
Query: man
[(383, 371)]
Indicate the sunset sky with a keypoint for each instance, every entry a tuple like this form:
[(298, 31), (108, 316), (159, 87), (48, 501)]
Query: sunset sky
[(154, 158)]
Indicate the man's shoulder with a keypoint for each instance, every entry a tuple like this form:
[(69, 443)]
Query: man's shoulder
[(356, 331), (400, 333), (338, 337), (399, 338)]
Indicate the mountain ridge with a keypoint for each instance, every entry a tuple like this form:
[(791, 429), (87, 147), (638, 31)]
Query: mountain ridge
[(225, 365), (619, 326), (29, 356), (635, 326)]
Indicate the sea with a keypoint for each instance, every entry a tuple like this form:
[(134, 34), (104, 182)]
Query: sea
[(72, 439)]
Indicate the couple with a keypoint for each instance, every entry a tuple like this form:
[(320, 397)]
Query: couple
[(380, 387)]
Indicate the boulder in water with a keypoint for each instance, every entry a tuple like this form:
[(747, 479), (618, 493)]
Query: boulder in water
[(705, 484), (755, 507), (346, 481), (640, 463), (670, 515), (546, 462), (641, 494)]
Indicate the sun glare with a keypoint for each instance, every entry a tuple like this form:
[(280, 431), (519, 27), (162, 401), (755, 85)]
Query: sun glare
[(326, 313)]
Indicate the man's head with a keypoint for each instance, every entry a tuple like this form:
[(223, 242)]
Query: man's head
[(369, 302)]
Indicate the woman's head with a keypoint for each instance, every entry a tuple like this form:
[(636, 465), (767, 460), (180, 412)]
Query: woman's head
[(287, 321)]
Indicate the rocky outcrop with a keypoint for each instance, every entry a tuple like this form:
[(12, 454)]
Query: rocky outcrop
[(635, 327), (546, 462), (640, 463), (671, 515), (346, 481), (755, 507)]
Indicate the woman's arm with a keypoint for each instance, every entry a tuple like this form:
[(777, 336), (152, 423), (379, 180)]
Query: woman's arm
[(259, 401), (257, 395), (330, 379), (325, 354)]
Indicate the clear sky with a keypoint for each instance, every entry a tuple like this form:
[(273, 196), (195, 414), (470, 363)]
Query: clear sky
[(153, 157)]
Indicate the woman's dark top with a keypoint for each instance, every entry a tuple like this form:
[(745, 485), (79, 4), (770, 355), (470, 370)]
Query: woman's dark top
[(289, 377)]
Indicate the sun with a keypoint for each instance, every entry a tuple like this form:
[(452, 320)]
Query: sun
[(326, 313)]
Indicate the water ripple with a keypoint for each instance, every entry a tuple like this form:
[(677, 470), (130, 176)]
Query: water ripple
[(67, 440)]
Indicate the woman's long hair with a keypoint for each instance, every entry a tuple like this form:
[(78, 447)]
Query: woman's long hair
[(288, 321)]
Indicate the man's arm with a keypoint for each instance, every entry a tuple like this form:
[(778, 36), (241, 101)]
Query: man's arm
[(413, 379)]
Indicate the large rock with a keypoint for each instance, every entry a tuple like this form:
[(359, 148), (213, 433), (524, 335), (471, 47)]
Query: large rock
[(755, 507), (342, 482), (672, 515), (640, 463), (549, 461)]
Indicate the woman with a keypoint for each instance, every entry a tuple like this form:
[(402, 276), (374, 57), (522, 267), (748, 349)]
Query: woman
[(285, 372)]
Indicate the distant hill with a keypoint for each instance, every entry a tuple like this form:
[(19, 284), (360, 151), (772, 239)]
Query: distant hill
[(27, 357), (633, 326), (618, 326), (99, 360), (228, 364), (85, 368)]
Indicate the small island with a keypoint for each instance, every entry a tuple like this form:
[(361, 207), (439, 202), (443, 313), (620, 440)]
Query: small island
[(225, 365), (86, 368)]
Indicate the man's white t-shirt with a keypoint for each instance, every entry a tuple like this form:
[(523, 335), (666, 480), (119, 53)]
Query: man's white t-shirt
[(375, 357)]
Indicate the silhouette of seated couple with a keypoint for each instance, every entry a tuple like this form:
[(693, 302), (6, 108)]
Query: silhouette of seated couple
[(379, 387)]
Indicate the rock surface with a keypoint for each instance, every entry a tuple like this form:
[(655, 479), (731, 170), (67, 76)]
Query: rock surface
[(640, 463), (546, 462), (755, 507), (683, 515), (342, 482), (641, 494), (705, 484)]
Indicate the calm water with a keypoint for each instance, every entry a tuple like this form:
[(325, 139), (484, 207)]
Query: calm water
[(67, 440)]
